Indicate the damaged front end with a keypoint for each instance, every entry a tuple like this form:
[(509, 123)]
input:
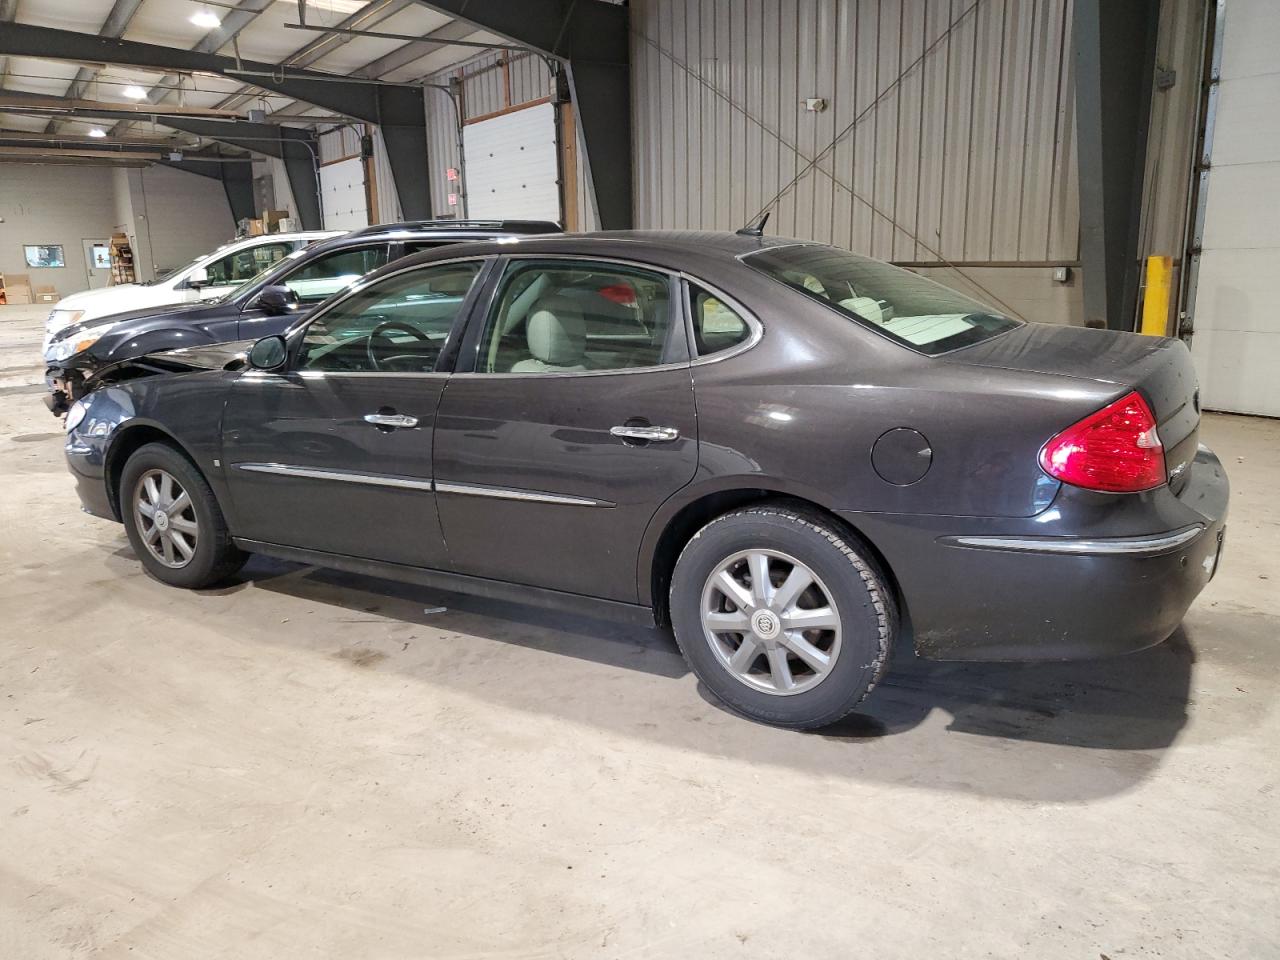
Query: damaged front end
[(82, 375)]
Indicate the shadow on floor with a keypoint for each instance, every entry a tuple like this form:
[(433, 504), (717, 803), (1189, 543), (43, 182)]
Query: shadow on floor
[(1065, 732)]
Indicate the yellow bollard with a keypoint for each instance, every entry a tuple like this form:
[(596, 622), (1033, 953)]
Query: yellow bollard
[(1155, 303)]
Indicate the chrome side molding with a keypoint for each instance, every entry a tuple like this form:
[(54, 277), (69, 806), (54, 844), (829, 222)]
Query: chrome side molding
[(346, 476), (414, 483), (510, 493), (1105, 546)]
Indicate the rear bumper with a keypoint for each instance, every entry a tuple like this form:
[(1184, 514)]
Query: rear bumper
[(1015, 595)]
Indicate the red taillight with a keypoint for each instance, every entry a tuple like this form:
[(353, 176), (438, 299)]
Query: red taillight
[(1116, 449)]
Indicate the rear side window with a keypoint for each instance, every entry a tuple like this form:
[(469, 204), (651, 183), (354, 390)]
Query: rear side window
[(247, 263), (904, 306), (570, 316), (716, 325)]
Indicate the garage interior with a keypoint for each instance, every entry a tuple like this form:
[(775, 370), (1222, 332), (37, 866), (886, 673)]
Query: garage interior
[(315, 763)]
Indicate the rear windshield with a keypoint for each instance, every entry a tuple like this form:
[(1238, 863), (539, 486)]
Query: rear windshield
[(919, 313)]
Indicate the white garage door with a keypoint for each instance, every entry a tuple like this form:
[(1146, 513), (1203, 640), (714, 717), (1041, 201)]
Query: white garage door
[(511, 166), (1237, 327), (342, 195)]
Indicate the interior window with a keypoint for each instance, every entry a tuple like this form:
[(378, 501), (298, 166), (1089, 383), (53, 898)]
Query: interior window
[(397, 326), (574, 317), (245, 264), (324, 276), (716, 325)]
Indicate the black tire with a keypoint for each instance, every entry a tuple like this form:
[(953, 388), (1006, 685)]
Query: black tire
[(214, 556), (858, 589)]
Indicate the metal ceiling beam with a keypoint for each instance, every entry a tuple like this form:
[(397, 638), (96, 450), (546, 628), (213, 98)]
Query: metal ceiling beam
[(592, 38), (8, 13), (114, 26), (399, 110), (296, 148), (1115, 48), (415, 50), (126, 153), (323, 45), (356, 100), (19, 101), (61, 161), (133, 140), (212, 42)]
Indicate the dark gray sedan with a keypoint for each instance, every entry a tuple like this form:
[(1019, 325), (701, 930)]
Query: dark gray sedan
[(796, 456)]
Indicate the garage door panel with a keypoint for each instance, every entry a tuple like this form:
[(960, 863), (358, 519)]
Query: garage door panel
[(1243, 208), (342, 196), (511, 166)]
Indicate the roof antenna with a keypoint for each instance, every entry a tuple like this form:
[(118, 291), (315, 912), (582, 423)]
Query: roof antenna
[(755, 229)]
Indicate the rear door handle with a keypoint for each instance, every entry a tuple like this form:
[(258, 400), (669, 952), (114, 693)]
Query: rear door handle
[(390, 420), (653, 434)]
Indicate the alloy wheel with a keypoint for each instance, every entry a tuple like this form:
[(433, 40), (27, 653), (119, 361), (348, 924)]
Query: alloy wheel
[(771, 622), (166, 518)]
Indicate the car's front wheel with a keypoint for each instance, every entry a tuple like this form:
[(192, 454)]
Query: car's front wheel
[(173, 521), (784, 616)]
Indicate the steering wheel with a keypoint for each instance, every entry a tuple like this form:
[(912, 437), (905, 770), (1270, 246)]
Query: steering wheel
[(380, 331)]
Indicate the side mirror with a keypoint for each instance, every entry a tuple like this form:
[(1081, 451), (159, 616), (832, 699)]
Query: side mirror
[(276, 299), (199, 277), (269, 353)]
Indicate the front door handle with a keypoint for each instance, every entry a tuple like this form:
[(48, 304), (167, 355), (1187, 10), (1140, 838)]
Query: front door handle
[(390, 420), (652, 434)]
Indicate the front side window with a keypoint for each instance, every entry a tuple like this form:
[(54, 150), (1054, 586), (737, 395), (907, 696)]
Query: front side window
[(569, 316), (910, 309), (321, 278), (399, 325), (236, 268)]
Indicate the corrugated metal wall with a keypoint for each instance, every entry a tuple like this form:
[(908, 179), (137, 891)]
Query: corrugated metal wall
[(947, 133)]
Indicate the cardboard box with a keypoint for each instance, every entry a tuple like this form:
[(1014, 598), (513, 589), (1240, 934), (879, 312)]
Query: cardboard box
[(47, 294), (252, 228), (17, 287), (272, 217)]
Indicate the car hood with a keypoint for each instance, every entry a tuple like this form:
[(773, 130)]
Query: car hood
[(206, 356), (109, 300)]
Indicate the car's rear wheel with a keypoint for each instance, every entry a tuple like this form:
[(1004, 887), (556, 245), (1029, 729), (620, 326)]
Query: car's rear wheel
[(173, 520), (783, 614)]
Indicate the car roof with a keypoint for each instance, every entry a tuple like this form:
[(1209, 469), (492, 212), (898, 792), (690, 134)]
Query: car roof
[(485, 227), (442, 230), (672, 249)]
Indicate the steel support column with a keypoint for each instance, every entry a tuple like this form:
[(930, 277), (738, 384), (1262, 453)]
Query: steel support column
[(1114, 47), (593, 39)]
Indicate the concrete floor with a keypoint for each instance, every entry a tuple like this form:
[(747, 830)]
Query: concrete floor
[(309, 764)]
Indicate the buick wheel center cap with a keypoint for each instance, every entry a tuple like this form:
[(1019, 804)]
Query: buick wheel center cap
[(162, 520), (765, 624)]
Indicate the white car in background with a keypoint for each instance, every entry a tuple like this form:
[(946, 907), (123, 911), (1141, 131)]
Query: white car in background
[(206, 277)]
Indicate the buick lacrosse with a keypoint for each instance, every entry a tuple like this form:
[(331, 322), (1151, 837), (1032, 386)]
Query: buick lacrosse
[(795, 456)]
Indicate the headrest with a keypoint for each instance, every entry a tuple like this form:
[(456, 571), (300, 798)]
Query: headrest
[(557, 332)]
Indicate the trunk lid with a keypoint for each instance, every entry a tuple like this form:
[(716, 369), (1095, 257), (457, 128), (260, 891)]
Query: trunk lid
[(1159, 368)]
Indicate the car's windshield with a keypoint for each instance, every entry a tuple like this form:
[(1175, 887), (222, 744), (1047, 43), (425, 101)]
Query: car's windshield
[(905, 306), (168, 274)]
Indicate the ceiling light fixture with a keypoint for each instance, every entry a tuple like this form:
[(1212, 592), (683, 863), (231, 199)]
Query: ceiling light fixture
[(206, 18), (97, 133), (134, 92)]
